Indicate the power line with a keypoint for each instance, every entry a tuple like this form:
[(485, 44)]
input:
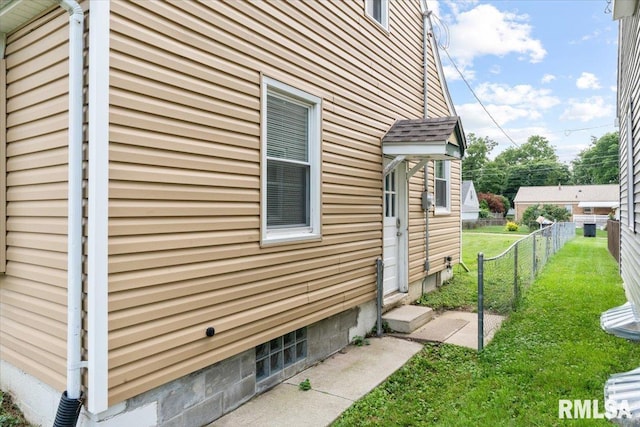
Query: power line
[(445, 29), (568, 132), (506, 168), (478, 99)]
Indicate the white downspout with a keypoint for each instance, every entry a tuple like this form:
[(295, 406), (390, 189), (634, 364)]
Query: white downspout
[(74, 233)]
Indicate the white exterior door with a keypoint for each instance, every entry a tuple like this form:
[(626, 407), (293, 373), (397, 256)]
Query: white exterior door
[(390, 233), (395, 231)]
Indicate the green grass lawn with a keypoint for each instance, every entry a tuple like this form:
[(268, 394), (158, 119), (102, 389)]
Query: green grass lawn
[(461, 291), (523, 230), (551, 348)]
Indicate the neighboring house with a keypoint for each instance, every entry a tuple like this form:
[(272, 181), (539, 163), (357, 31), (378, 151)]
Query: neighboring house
[(196, 198), (624, 321), (470, 204), (597, 201)]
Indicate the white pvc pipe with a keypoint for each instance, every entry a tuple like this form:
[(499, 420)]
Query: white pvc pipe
[(74, 233)]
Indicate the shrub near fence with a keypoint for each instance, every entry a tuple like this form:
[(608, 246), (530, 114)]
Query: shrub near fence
[(503, 279)]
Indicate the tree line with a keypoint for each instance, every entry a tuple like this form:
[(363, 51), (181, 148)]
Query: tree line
[(536, 163)]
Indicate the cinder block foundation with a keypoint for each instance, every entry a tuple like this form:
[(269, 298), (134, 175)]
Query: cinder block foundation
[(205, 395)]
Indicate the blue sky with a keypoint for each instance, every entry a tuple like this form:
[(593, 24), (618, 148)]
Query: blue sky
[(540, 67)]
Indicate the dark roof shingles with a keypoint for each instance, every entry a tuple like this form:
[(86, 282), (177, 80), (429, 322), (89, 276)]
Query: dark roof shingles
[(437, 129)]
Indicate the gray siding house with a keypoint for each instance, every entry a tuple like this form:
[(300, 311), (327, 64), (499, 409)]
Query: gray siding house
[(470, 204), (624, 321)]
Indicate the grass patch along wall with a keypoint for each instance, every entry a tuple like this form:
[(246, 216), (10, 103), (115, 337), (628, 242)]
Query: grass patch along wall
[(552, 348)]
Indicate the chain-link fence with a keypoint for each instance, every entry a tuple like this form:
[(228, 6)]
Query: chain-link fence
[(503, 279)]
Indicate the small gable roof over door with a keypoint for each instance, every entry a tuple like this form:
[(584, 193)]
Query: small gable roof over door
[(439, 138)]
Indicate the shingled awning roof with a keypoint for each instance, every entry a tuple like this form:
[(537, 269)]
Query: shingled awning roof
[(439, 138)]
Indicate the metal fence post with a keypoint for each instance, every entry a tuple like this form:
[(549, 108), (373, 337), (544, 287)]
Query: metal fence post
[(480, 301), (535, 262), (379, 284), (548, 243), (516, 288)]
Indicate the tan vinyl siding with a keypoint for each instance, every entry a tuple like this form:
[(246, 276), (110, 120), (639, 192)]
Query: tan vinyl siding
[(33, 290), (629, 91), (184, 165), (444, 229), (437, 104), (3, 165)]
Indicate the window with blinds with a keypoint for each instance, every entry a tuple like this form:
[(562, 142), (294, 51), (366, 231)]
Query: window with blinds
[(290, 163), (287, 163), (442, 184), (379, 11)]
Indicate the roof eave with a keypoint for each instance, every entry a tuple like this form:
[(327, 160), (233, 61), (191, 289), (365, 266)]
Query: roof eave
[(419, 150), (16, 13), (624, 8)]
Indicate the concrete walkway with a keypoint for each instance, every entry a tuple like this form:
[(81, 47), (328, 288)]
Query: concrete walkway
[(345, 377), (458, 328), (336, 383)]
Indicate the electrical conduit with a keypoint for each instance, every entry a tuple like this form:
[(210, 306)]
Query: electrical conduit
[(425, 55)]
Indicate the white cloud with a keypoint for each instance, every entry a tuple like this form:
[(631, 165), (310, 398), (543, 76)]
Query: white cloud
[(587, 109), (451, 75), (587, 81), (485, 30), (593, 35), (524, 96), (548, 78), (434, 6), (474, 116)]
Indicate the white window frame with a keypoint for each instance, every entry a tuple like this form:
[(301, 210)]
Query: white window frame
[(314, 103), (630, 171), (384, 5), (447, 178)]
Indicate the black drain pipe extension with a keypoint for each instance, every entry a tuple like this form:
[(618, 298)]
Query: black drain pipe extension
[(68, 411), (71, 400)]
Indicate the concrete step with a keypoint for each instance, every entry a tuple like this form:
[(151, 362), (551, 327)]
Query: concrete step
[(407, 318)]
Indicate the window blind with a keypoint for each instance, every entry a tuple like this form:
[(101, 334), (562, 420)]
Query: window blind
[(288, 168)]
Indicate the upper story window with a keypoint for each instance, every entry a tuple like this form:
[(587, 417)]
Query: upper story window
[(379, 11), (290, 199), (442, 185)]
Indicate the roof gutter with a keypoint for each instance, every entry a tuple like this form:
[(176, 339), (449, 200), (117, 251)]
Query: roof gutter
[(71, 401)]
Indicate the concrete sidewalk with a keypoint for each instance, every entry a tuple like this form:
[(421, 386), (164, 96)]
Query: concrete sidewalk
[(345, 377), (336, 383), (458, 328)]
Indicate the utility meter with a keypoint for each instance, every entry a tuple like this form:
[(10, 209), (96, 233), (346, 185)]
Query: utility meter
[(427, 200)]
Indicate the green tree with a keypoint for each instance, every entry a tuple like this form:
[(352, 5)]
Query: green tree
[(536, 149), (476, 157), (534, 163), (598, 164), (493, 178), (550, 212)]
